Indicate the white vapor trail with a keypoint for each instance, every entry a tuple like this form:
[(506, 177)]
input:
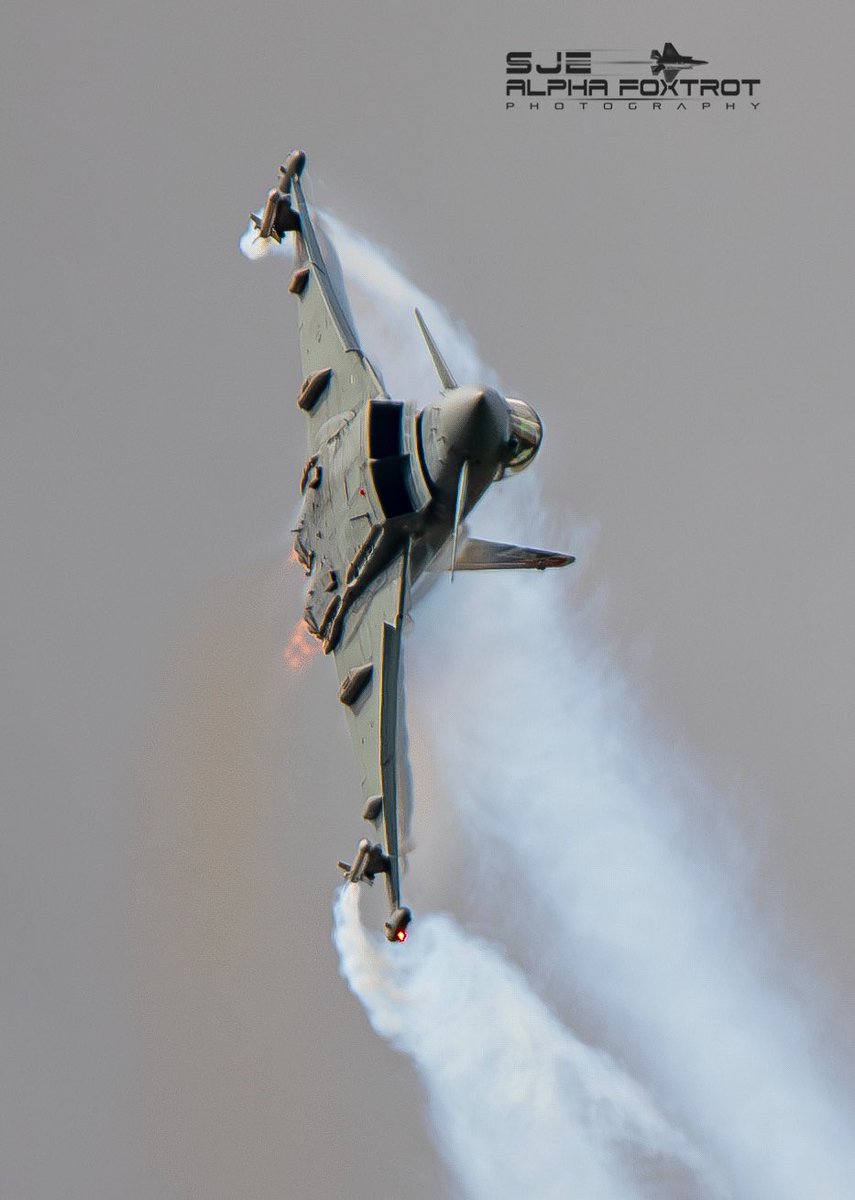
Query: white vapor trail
[(521, 1106), (605, 841), (601, 843)]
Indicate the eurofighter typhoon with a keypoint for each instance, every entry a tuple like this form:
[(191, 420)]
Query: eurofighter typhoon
[(385, 490)]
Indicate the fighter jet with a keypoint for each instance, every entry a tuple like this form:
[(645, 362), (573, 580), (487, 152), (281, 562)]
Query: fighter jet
[(669, 62), (386, 489)]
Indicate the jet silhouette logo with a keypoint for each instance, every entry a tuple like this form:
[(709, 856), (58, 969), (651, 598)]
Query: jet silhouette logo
[(669, 61)]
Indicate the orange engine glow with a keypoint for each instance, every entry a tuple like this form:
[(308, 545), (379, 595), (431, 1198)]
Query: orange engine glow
[(301, 649), (401, 935)]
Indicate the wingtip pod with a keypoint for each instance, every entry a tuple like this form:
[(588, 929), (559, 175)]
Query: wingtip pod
[(396, 926), (295, 162), (292, 168)]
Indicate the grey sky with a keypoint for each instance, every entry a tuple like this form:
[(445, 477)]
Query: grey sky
[(673, 292)]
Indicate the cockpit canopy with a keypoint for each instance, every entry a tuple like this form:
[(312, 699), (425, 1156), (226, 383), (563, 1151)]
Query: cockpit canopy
[(526, 434)]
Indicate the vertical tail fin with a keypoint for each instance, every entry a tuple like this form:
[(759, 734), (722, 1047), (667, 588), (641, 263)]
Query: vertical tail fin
[(445, 377)]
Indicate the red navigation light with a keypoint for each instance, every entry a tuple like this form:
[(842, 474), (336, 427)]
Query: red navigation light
[(401, 935)]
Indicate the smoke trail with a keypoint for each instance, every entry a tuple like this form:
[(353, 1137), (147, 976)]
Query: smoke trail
[(677, 971), (541, 747), (521, 1107)]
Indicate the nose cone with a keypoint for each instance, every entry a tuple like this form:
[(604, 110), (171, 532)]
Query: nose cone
[(475, 424)]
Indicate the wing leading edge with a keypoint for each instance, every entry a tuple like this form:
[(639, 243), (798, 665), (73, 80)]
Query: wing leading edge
[(368, 661), (338, 378)]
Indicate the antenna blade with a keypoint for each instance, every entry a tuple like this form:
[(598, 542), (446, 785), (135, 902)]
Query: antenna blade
[(459, 510)]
